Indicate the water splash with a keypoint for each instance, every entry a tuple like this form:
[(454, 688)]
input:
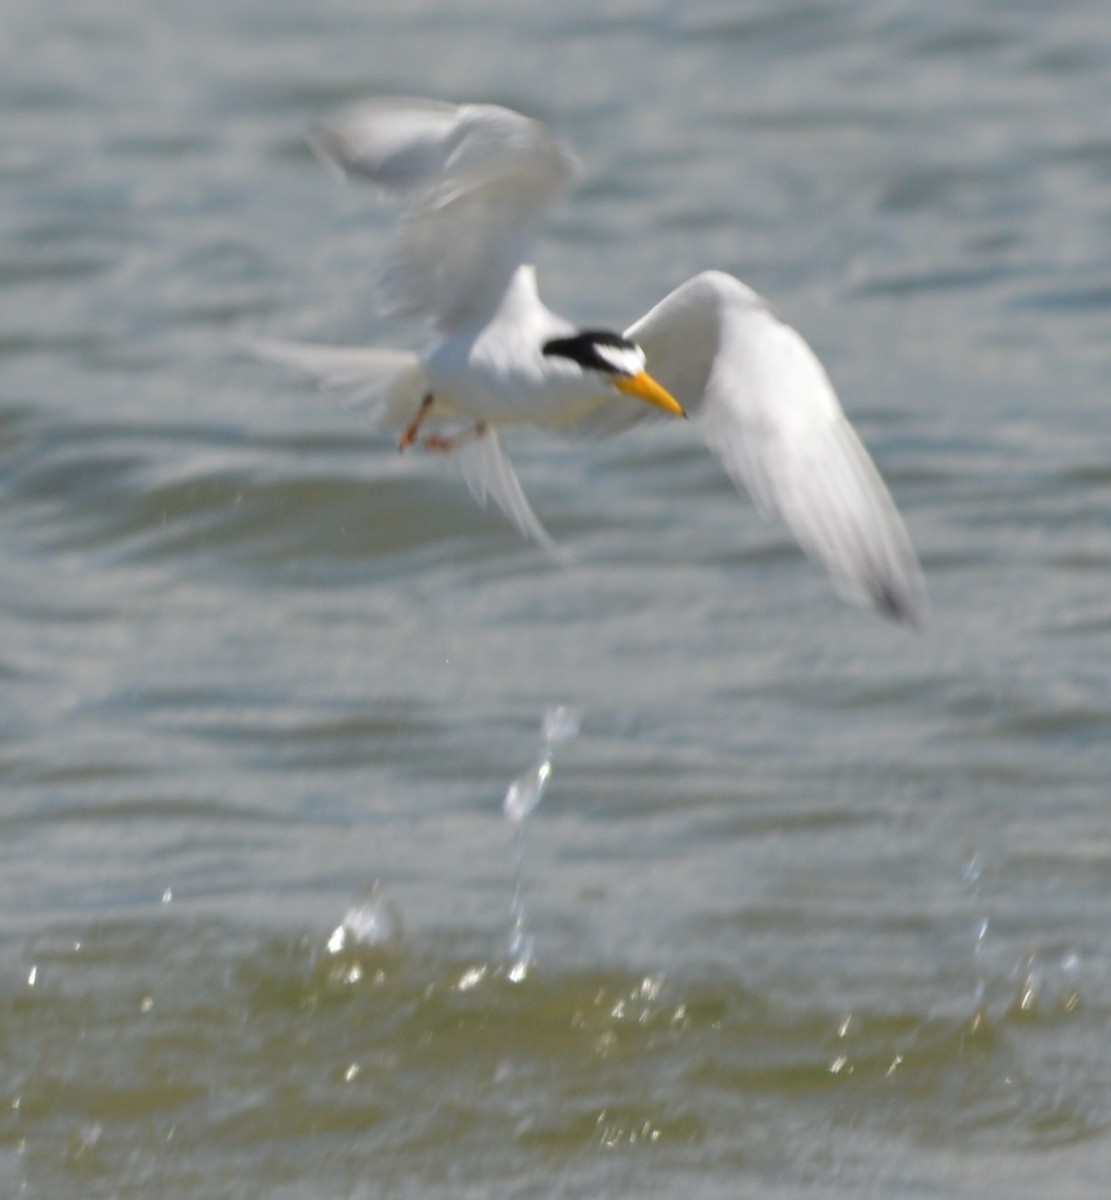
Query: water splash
[(361, 948), (370, 921), (561, 724), (1068, 999), (1047, 984), (1042, 983)]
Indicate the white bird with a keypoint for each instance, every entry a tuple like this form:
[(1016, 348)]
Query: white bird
[(476, 180)]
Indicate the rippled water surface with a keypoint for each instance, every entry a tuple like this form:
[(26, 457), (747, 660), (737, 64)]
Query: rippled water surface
[(814, 906)]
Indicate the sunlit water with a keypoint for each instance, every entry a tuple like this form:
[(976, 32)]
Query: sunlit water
[(812, 906)]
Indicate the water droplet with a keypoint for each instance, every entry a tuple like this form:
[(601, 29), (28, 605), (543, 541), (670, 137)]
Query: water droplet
[(649, 988), (527, 790), (86, 1139), (471, 979), (167, 896), (33, 977), (561, 724), (1028, 993), (1069, 999), (972, 868)]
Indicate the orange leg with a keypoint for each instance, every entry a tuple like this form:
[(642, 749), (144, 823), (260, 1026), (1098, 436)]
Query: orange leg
[(413, 428), (445, 445)]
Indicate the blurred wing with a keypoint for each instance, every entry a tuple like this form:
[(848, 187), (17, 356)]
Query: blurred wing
[(477, 180), (388, 383), (761, 401), (489, 473)]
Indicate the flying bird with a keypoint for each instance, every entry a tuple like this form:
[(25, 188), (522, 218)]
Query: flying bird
[(475, 181)]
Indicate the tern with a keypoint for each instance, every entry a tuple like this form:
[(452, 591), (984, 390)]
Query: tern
[(475, 181)]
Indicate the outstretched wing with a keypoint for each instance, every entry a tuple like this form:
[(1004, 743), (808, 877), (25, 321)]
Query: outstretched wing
[(761, 401), (477, 180)]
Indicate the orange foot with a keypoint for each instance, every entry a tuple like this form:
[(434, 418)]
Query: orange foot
[(445, 445)]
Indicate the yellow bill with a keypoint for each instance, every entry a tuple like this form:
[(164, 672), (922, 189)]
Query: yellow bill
[(646, 388)]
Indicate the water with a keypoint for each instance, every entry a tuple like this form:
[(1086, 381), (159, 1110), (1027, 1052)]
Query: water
[(817, 907)]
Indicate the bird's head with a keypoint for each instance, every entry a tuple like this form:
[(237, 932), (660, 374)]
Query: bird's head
[(616, 360)]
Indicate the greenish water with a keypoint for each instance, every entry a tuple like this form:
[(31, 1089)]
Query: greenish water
[(235, 1066), (817, 907)]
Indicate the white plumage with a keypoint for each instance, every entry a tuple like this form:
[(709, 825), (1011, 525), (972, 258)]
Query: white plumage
[(476, 181)]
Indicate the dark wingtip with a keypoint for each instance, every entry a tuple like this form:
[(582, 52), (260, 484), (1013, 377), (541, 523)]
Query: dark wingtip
[(902, 605)]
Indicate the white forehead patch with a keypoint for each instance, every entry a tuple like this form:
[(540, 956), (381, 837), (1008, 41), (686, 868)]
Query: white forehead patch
[(625, 360)]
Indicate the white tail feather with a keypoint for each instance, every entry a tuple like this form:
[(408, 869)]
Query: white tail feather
[(389, 384), (489, 474)]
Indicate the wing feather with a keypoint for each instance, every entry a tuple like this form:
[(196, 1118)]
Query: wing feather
[(477, 179), (761, 401)]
